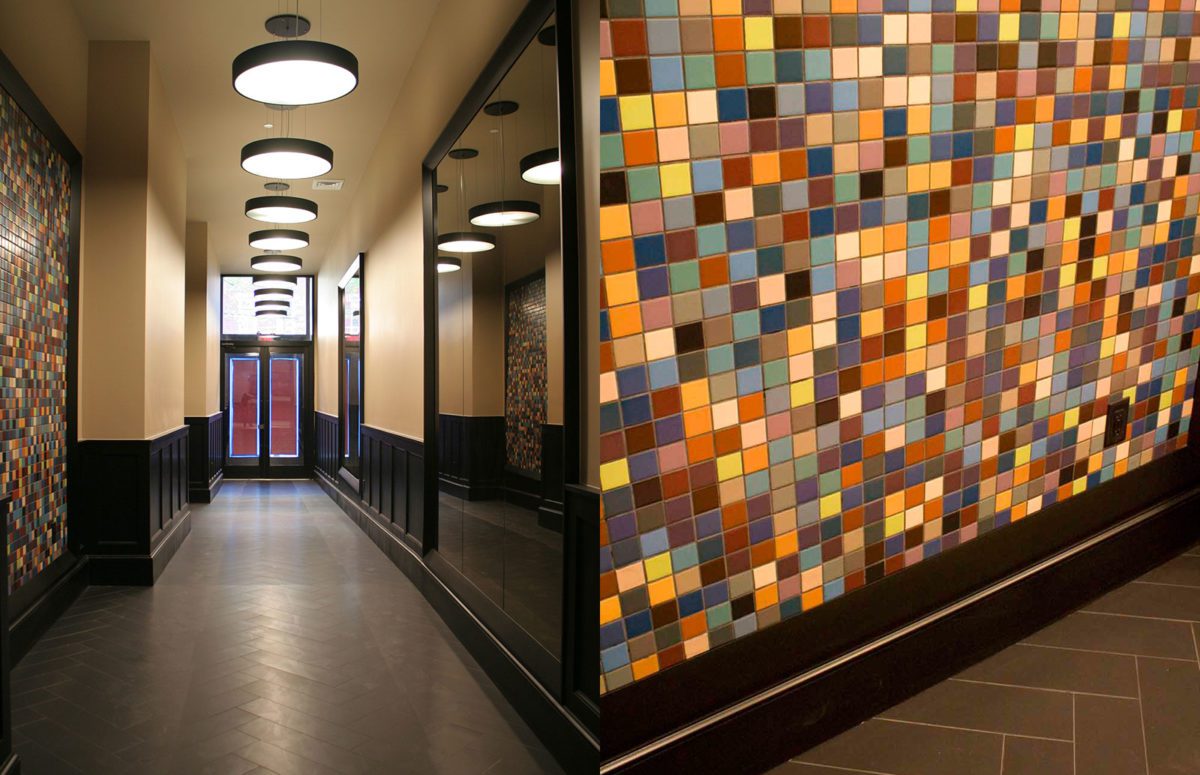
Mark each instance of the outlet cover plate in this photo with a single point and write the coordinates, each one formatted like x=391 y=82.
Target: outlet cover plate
x=1117 y=422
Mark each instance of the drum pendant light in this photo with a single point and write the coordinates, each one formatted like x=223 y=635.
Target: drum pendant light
x=274 y=281
x=281 y=209
x=276 y=263
x=295 y=72
x=287 y=158
x=505 y=212
x=279 y=239
x=277 y=295
x=465 y=241
x=543 y=167
x=448 y=264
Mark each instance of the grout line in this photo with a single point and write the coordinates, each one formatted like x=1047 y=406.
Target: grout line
x=1101 y=651
x=1074 y=740
x=968 y=729
x=1139 y=616
x=840 y=768
x=1042 y=688
x=1142 y=716
x=1164 y=584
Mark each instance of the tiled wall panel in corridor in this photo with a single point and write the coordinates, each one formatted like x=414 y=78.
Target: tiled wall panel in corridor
x=872 y=272
x=35 y=194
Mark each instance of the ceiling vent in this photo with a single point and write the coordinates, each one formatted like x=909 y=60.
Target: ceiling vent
x=327 y=185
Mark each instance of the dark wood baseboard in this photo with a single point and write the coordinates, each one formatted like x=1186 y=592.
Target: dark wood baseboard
x=552 y=723
x=809 y=708
x=206 y=493
x=141 y=570
x=37 y=617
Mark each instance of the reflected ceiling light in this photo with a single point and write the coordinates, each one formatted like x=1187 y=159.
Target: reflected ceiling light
x=281 y=209
x=279 y=239
x=287 y=157
x=273 y=294
x=542 y=167
x=511 y=212
x=466 y=241
x=270 y=313
x=272 y=305
x=289 y=292
x=276 y=185
x=447 y=264
x=295 y=72
x=276 y=262
x=274 y=281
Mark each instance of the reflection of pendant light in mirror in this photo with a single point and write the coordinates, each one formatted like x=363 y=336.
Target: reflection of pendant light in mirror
x=287 y=157
x=274 y=281
x=448 y=264
x=513 y=212
x=276 y=263
x=465 y=241
x=543 y=167
x=280 y=309
x=295 y=72
x=273 y=294
x=287 y=293
x=281 y=209
x=279 y=239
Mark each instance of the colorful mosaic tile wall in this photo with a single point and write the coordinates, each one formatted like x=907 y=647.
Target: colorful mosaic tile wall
x=872 y=272
x=525 y=373
x=35 y=194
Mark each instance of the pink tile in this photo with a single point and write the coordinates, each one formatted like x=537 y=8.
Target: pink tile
x=646 y=216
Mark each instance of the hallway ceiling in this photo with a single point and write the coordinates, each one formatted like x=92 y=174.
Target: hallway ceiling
x=193 y=46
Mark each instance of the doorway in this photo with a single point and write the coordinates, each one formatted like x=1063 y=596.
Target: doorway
x=266 y=392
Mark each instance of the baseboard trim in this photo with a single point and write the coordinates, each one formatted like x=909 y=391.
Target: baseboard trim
x=206 y=493
x=766 y=728
x=29 y=627
x=141 y=570
x=564 y=736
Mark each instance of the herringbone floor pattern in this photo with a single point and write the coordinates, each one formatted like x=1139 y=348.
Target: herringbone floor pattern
x=279 y=640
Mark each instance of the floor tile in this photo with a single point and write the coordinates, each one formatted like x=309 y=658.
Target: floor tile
x=1052 y=668
x=990 y=708
x=1156 y=601
x=910 y=749
x=1029 y=756
x=1171 y=713
x=1118 y=634
x=1108 y=736
x=1183 y=570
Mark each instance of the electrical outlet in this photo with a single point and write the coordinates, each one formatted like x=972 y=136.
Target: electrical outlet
x=1117 y=422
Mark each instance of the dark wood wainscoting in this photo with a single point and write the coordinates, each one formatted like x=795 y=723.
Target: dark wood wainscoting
x=393 y=475
x=8 y=760
x=135 y=504
x=581 y=592
x=327 y=444
x=206 y=458
x=471 y=456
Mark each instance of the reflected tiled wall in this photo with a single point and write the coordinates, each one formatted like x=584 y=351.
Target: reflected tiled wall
x=872 y=273
x=35 y=192
x=525 y=373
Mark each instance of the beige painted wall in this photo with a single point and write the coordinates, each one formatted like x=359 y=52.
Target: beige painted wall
x=29 y=31
x=166 y=219
x=202 y=325
x=385 y=219
x=132 y=284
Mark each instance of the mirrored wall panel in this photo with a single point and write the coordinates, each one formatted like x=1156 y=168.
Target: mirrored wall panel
x=350 y=379
x=500 y=348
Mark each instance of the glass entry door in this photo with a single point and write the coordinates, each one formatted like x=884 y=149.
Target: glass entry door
x=265 y=399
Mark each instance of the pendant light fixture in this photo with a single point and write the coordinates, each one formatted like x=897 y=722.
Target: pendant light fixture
x=270 y=313
x=281 y=209
x=287 y=157
x=292 y=72
x=274 y=281
x=505 y=212
x=465 y=241
x=275 y=294
x=278 y=239
x=448 y=264
x=276 y=262
x=543 y=167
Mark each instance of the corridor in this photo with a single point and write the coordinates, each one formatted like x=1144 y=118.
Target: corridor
x=280 y=639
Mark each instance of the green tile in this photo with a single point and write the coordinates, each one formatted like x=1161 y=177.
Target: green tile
x=612 y=152
x=699 y=72
x=760 y=67
x=643 y=183
x=685 y=276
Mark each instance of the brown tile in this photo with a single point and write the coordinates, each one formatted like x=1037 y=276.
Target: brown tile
x=1051 y=668
x=1171 y=715
x=910 y=749
x=1153 y=600
x=1029 y=756
x=1119 y=634
x=1004 y=709
x=1108 y=736
x=1181 y=571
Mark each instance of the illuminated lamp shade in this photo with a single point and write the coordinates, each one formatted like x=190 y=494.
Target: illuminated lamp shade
x=271 y=309
x=542 y=167
x=278 y=239
x=287 y=157
x=276 y=263
x=273 y=295
x=509 y=212
x=281 y=209
x=286 y=292
x=466 y=241
x=274 y=281
x=448 y=264
x=295 y=72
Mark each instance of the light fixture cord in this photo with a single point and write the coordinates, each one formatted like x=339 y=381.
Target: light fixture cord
x=462 y=200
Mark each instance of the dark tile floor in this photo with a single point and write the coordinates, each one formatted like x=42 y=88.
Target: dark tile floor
x=1111 y=689
x=279 y=640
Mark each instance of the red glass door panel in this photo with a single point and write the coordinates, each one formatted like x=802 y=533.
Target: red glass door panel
x=285 y=375
x=244 y=380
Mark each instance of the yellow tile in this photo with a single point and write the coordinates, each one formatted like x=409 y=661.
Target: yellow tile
x=614 y=474
x=729 y=466
x=802 y=392
x=614 y=222
x=676 y=180
x=608 y=78
x=670 y=109
x=658 y=566
x=610 y=609
x=621 y=288
x=760 y=33
x=726 y=7
x=831 y=504
x=637 y=112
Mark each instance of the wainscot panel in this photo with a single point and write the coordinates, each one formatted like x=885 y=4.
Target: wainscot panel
x=471 y=451
x=8 y=759
x=135 y=505
x=206 y=437
x=392 y=469
x=327 y=444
